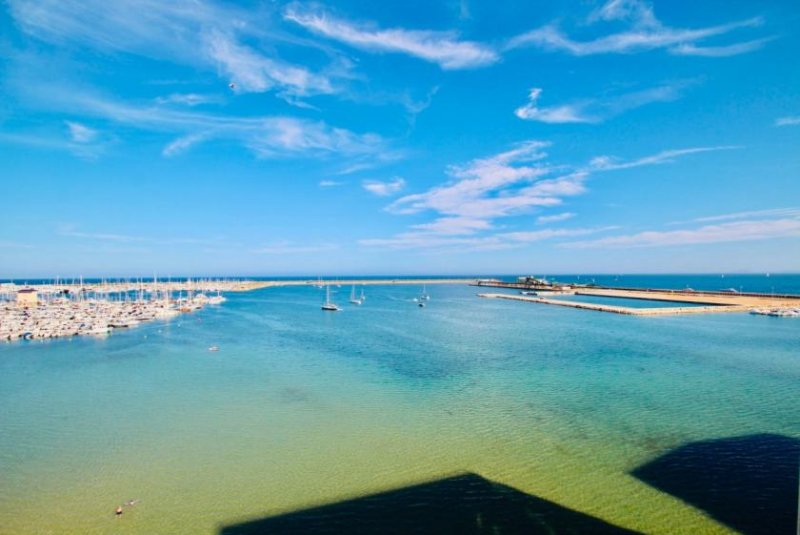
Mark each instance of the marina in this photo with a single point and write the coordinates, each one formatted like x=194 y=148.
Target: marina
x=58 y=311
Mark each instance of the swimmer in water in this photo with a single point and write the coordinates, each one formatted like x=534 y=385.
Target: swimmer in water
x=118 y=510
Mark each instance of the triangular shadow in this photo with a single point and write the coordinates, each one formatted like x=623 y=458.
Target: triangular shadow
x=465 y=504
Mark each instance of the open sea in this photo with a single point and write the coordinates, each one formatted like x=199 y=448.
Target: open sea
x=467 y=416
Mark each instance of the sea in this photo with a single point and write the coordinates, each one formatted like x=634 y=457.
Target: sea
x=467 y=415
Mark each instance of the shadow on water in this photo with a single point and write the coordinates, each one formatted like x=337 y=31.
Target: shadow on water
x=463 y=504
x=749 y=483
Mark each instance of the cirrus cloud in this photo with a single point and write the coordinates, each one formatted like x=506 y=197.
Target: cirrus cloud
x=645 y=32
x=384 y=189
x=443 y=48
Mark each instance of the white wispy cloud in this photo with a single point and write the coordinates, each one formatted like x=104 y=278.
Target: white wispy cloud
x=442 y=48
x=480 y=191
x=329 y=183
x=499 y=186
x=80 y=133
x=220 y=38
x=496 y=186
x=189 y=99
x=386 y=155
x=77 y=138
x=82 y=141
x=546 y=234
x=355 y=168
x=254 y=72
x=771 y=213
x=555 y=218
x=736 y=231
x=384 y=189
x=415 y=107
x=595 y=110
x=645 y=33
x=497 y=241
x=454 y=226
x=569 y=113
x=182 y=144
x=688 y=49
x=424 y=240
x=608 y=163
x=788 y=121
x=266 y=136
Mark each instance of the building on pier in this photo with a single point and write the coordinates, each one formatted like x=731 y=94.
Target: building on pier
x=27 y=297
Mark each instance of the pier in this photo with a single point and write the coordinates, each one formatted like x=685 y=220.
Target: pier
x=666 y=311
x=702 y=302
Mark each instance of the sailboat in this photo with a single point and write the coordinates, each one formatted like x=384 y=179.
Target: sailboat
x=424 y=295
x=328 y=305
x=422 y=298
x=353 y=298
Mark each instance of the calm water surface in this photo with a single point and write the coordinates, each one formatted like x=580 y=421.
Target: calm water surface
x=598 y=413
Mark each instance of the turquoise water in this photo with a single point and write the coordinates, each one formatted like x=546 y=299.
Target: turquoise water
x=301 y=409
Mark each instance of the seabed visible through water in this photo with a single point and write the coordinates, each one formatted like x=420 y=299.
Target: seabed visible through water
x=474 y=413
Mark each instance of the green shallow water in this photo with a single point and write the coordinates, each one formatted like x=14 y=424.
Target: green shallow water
x=301 y=408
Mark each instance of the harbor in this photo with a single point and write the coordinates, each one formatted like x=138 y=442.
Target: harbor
x=61 y=309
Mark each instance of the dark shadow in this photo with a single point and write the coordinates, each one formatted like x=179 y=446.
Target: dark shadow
x=464 y=504
x=749 y=483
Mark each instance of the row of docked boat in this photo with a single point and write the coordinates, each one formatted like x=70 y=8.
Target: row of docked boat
x=64 y=317
x=778 y=312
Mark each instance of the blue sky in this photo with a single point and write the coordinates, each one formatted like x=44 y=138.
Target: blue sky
x=268 y=138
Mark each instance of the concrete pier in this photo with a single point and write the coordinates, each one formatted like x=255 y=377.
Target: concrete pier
x=666 y=311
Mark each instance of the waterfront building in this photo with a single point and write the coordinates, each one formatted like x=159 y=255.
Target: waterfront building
x=27 y=297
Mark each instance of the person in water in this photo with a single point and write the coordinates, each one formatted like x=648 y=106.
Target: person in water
x=118 y=510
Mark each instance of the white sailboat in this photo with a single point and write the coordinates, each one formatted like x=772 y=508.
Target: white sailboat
x=424 y=296
x=328 y=305
x=353 y=298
